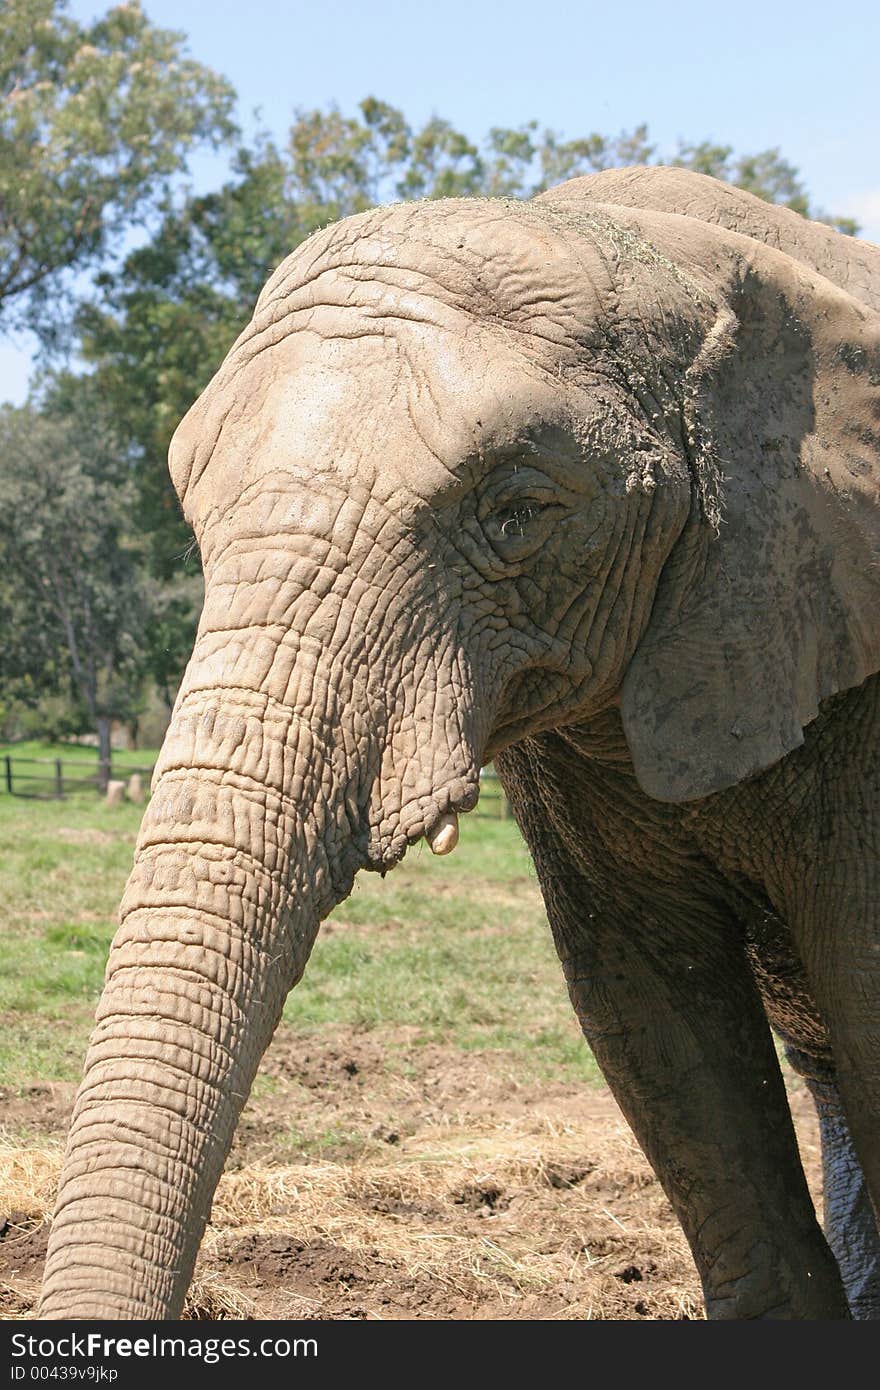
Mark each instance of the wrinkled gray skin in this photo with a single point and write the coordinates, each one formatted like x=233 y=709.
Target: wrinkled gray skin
x=588 y=486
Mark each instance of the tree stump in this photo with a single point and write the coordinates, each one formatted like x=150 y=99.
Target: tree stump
x=115 y=793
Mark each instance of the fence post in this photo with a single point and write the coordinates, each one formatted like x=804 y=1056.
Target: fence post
x=9 y=775
x=59 y=780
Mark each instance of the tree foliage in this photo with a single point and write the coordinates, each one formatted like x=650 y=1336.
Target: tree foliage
x=77 y=603
x=94 y=121
x=343 y=164
x=164 y=322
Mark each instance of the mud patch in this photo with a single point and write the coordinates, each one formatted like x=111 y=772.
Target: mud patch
x=42 y=1110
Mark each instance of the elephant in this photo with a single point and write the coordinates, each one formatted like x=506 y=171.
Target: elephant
x=587 y=486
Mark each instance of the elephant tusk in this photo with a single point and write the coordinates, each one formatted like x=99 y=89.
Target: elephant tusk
x=444 y=836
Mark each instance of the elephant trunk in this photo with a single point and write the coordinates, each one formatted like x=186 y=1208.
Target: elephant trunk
x=232 y=875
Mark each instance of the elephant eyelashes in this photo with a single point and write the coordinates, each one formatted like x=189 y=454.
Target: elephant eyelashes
x=515 y=512
x=516 y=519
x=516 y=529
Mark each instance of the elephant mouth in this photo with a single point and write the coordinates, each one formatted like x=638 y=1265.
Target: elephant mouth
x=434 y=819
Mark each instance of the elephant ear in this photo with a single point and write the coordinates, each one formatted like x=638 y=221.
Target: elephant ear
x=770 y=601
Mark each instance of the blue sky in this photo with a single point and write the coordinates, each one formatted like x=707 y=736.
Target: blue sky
x=802 y=76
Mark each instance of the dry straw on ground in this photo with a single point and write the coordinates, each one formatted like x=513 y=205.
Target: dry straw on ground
x=508 y=1221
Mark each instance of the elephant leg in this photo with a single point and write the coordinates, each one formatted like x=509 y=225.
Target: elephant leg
x=850 y=1226
x=658 y=975
x=656 y=966
x=681 y=1038
x=843 y=963
x=830 y=869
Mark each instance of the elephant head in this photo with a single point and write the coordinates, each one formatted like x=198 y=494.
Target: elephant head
x=475 y=469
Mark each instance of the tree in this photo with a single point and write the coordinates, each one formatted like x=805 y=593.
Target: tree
x=339 y=164
x=343 y=164
x=165 y=320
x=75 y=590
x=94 y=122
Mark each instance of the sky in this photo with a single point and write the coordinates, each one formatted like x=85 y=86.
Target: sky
x=796 y=74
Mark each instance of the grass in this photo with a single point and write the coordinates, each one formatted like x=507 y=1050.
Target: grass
x=454 y=950
x=62 y=868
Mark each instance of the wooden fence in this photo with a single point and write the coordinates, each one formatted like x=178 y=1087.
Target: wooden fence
x=49 y=779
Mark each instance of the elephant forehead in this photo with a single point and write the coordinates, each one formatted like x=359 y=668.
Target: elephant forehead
x=491 y=260
x=350 y=406
x=456 y=308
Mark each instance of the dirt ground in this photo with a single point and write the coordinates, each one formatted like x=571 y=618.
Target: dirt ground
x=440 y=1188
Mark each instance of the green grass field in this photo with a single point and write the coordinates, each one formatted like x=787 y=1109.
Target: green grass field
x=453 y=950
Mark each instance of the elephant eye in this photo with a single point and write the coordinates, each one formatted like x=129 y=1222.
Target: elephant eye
x=516 y=509
x=512 y=521
x=516 y=529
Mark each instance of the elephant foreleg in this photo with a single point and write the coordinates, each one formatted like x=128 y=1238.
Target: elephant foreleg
x=682 y=1041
